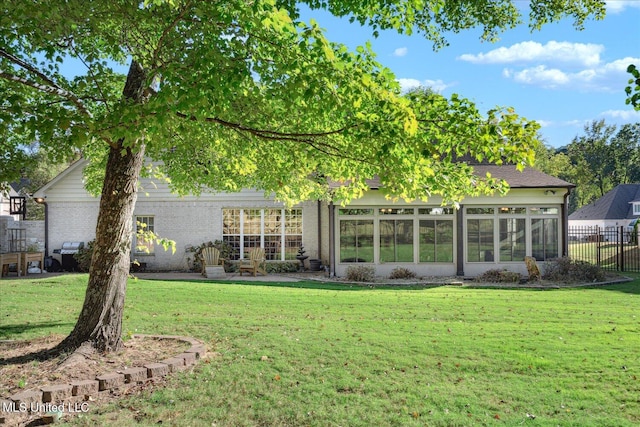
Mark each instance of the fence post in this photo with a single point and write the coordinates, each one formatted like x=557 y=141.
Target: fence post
x=621 y=238
x=598 y=246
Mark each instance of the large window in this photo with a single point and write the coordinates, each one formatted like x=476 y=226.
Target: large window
x=356 y=240
x=480 y=240
x=513 y=232
x=544 y=238
x=396 y=240
x=396 y=234
x=143 y=244
x=512 y=239
x=279 y=231
x=436 y=240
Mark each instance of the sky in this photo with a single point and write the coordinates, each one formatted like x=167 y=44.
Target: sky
x=560 y=77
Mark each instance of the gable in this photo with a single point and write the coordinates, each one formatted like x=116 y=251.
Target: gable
x=616 y=204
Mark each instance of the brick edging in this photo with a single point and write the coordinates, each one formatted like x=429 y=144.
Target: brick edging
x=50 y=402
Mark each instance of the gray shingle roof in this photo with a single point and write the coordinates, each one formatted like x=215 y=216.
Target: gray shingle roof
x=528 y=178
x=616 y=204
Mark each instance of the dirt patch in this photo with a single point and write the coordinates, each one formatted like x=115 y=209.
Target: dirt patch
x=84 y=364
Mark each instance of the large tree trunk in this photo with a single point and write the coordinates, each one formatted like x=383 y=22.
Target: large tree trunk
x=100 y=322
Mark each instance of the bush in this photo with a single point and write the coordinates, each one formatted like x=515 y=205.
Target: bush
x=402 y=273
x=499 y=276
x=83 y=256
x=282 y=267
x=567 y=270
x=360 y=273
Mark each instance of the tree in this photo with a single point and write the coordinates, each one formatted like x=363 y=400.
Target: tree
x=633 y=90
x=593 y=156
x=231 y=94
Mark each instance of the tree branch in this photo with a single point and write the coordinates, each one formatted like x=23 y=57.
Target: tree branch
x=54 y=90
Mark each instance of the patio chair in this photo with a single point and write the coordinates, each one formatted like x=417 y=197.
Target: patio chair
x=255 y=263
x=210 y=257
x=532 y=268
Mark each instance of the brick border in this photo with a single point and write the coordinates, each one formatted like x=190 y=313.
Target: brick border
x=71 y=397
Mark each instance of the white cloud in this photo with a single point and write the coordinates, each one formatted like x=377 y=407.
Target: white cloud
x=401 y=51
x=609 y=77
x=436 y=85
x=529 y=51
x=617 y=6
x=624 y=115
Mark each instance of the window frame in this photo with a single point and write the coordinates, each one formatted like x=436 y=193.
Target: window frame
x=151 y=245
x=236 y=220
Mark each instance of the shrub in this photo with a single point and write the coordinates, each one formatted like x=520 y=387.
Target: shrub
x=498 y=276
x=402 y=273
x=567 y=270
x=83 y=256
x=360 y=273
x=282 y=267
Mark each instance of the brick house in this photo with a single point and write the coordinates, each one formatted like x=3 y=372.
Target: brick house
x=484 y=233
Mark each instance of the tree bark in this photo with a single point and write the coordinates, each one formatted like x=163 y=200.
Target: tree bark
x=100 y=321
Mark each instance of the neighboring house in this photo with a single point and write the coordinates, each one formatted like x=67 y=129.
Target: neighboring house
x=620 y=207
x=431 y=240
x=5 y=202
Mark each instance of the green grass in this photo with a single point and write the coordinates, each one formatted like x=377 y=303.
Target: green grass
x=443 y=356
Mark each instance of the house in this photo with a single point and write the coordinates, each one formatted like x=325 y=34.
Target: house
x=619 y=207
x=484 y=233
x=5 y=201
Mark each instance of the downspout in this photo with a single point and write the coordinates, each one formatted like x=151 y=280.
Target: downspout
x=319 y=229
x=332 y=239
x=565 y=224
x=459 y=242
x=41 y=201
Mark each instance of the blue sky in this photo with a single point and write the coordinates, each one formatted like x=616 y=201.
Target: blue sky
x=560 y=77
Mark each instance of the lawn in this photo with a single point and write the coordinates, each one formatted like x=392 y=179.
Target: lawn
x=443 y=356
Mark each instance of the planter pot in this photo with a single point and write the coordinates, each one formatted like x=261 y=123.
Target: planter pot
x=315 y=264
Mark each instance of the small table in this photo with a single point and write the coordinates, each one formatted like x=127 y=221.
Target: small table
x=10 y=258
x=28 y=257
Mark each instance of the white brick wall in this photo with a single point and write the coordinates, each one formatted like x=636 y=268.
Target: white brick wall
x=188 y=223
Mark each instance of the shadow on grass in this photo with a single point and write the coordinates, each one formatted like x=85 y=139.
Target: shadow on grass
x=6 y=331
x=12 y=330
x=327 y=286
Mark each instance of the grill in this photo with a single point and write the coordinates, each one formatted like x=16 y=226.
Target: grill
x=67 y=251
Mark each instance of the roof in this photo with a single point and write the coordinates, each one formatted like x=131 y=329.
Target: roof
x=528 y=178
x=616 y=204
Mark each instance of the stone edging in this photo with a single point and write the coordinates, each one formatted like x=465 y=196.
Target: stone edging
x=53 y=400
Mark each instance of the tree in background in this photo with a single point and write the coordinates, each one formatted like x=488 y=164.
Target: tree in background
x=595 y=162
x=234 y=94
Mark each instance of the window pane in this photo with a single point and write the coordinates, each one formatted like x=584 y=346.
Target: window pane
x=518 y=211
x=480 y=211
x=544 y=238
x=355 y=211
x=251 y=221
x=293 y=218
x=544 y=211
x=356 y=241
x=292 y=244
x=272 y=245
x=272 y=221
x=144 y=224
x=436 y=241
x=444 y=243
x=231 y=221
x=512 y=239
x=479 y=240
x=234 y=242
x=396 y=240
x=435 y=211
x=396 y=211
